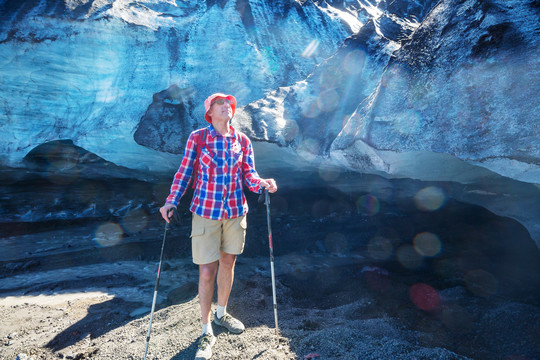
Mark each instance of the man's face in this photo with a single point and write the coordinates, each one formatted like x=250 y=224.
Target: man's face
x=220 y=110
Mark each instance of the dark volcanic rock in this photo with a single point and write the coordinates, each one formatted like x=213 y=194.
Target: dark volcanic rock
x=168 y=121
x=61 y=155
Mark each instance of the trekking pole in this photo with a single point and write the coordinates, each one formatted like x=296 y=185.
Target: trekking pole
x=270 y=244
x=157 y=285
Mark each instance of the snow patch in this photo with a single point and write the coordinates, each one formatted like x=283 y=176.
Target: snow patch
x=350 y=19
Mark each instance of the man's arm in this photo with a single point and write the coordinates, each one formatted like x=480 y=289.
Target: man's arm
x=181 y=178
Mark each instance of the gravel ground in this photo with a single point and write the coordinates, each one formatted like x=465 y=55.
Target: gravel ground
x=101 y=311
x=65 y=293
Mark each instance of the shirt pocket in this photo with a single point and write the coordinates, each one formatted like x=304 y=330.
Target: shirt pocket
x=207 y=158
x=208 y=164
x=238 y=157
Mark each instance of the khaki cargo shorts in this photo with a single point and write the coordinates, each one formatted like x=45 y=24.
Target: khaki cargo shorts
x=210 y=237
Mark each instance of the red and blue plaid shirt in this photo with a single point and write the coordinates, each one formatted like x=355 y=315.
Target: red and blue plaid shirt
x=218 y=193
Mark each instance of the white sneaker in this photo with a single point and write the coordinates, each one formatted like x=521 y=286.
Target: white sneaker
x=227 y=321
x=204 y=352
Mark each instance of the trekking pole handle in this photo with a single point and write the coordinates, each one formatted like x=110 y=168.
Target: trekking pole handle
x=169 y=216
x=266 y=197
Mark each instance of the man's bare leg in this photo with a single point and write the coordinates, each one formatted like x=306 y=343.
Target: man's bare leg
x=207 y=278
x=225 y=277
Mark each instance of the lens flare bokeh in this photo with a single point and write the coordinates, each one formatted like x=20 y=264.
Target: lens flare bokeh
x=310 y=49
x=430 y=198
x=427 y=244
x=368 y=205
x=62 y=158
x=62 y=165
x=424 y=297
x=328 y=100
x=310 y=145
x=331 y=78
x=335 y=243
x=291 y=130
x=408 y=257
x=109 y=234
x=481 y=283
x=354 y=62
x=408 y=122
x=380 y=248
x=60 y=177
x=135 y=221
x=310 y=108
x=329 y=174
x=300 y=267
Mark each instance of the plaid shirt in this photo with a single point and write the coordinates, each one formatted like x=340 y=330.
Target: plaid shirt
x=218 y=194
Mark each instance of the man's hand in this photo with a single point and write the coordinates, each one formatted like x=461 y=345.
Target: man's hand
x=269 y=184
x=166 y=213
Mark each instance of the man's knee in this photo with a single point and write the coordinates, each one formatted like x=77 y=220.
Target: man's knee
x=227 y=260
x=207 y=272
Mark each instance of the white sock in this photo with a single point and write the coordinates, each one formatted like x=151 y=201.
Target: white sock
x=221 y=310
x=207 y=329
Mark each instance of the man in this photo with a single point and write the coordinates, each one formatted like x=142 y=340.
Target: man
x=219 y=208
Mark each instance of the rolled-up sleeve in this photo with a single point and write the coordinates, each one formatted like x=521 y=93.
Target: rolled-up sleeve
x=251 y=177
x=183 y=175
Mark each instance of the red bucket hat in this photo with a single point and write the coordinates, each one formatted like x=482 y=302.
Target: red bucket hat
x=211 y=98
